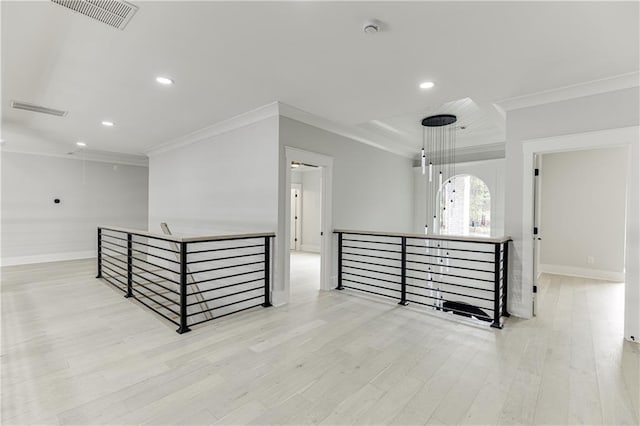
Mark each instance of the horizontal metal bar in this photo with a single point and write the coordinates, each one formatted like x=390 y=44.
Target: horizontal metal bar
x=449 y=275
x=226 y=295
x=155 y=283
x=154 y=255
x=372 y=270
x=114 y=237
x=473 y=240
x=452 y=292
x=154 y=301
x=456 y=249
x=157 y=312
x=227 y=314
x=164 y=268
x=372 y=285
x=368 y=291
x=225 y=248
x=122 y=289
x=112 y=253
x=155 y=292
x=446 y=283
x=446 y=266
x=115 y=277
x=399 y=266
x=225 y=286
x=452 y=258
x=226 y=258
x=373 y=242
x=154 y=274
x=115 y=245
x=372 y=256
x=226 y=276
x=117 y=274
x=156 y=247
x=372 y=249
x=226 y=267
x=105 y=259
x=371 y=278
x=463 y=313
x=224 y=306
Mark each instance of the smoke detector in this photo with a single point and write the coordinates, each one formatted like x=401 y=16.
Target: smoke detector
x=115 y=13
x=372 y=26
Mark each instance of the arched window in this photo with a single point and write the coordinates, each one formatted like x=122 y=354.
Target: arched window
x=465 y=207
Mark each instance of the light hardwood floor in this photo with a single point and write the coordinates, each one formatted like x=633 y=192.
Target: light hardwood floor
x=74 y=351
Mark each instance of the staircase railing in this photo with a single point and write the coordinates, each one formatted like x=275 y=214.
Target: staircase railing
x=464 y=276
x=187 y=280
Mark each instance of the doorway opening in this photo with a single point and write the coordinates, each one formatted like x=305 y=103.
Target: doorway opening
x=304 y=242
x=626 y=138
x=308 y=262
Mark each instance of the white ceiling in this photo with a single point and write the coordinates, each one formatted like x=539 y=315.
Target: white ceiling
x=231 y=57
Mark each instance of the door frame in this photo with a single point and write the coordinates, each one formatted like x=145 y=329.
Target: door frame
x=325 y=162
x=297 y=187
x=619 y=137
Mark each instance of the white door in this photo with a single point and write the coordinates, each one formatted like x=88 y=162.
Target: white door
x=296 y=219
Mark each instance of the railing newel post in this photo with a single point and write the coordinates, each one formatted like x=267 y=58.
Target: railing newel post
x=183 y=289
x=496 y=293
x=340 y=287
x=99 y=275
x=267 y=272
x=403 y=273
x=129 y=265
x=505 y=275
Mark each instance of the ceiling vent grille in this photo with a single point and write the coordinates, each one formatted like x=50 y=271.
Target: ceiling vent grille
x=37 y=108
x=115 y=13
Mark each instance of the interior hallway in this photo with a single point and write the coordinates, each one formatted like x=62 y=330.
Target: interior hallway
x=74 y=351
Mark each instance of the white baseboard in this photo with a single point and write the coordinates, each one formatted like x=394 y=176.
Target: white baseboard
x=45 y=258
x=312 y=248
x=572 y=271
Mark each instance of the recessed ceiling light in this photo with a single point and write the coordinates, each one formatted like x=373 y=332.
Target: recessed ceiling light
x=108 y=123
x=164 y=80
x=81 y=144
x=426 y=85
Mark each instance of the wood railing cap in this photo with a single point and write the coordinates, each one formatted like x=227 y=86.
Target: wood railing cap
x=186 y=239
x=487 y=240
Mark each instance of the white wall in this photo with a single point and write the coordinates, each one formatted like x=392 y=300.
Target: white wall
x=311 y=210
x=222 y=184
x=372 y=189
x=34 y=229
x=570 y=120
x=492 y=174
x=583 y=213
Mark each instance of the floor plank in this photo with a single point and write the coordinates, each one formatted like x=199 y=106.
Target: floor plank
x=74 y=351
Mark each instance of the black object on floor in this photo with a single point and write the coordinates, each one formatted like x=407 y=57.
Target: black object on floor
x=466 y=310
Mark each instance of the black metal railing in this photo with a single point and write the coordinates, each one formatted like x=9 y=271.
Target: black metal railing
x=187 y=281
x=465 y=276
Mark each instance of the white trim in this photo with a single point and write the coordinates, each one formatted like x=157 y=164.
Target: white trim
x=95 y=156
x=298 y=187
x=572 y=271
x=45 y=258
x=327 y=280
x=623 y=81
x=233 y=123
x=626 y=136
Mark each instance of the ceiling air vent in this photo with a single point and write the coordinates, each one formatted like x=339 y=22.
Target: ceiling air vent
x=37 y=108
x=115 y=13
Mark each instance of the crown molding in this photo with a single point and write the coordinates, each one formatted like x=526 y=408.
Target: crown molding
x=274 y=109
x=233 y=123
x=88 y=155
x=619 y=82
x=351 y=132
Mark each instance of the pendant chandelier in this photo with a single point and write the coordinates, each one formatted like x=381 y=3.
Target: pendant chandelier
x=438 y=167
